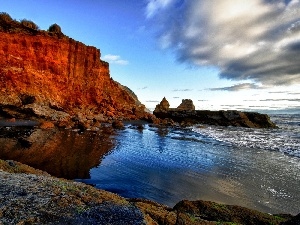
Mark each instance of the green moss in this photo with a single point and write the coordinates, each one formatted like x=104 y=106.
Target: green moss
x=219 y=206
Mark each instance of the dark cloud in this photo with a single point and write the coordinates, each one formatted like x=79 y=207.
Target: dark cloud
x=256 y=40
x=238 y=87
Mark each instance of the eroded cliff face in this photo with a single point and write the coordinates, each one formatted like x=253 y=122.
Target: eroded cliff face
x=56 y=77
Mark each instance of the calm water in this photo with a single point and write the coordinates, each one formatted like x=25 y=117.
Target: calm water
x=259 y=169
x=229 y=165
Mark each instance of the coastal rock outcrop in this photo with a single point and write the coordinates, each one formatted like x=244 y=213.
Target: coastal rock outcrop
x=186 y=105
x=163 y=106
x=186 y=114
x=49 y=75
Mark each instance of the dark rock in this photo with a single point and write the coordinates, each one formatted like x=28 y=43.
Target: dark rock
x=24 y=143
x=211 y=211
x=27 y=99
x=294 y=221
x=117 y=124
x=220 y=118
x=11 y=163
x=163 y=106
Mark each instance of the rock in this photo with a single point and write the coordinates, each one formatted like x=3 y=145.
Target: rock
x=186 y=116
x=12 y=120
x=187 y=105
x=24 y=142
x=47 y=125
x=117 y=124
x=211 y=211
x=163 y=106
x=293 y=221
x=66 y=124
x=54 y=77
x=100 y=118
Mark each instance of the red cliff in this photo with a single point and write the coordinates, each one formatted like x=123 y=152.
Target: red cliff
x=53 y=76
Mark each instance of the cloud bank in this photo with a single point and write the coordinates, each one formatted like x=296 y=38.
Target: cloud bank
x=115 y=59
x=238 y=87
x=256 y=40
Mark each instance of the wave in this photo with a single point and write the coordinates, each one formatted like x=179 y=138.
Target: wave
x=285 y=139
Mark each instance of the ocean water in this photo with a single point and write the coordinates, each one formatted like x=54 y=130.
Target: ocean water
x=255 y=168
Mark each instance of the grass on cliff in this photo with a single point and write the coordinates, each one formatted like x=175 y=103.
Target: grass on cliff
x=29 y=24
x=8 y=24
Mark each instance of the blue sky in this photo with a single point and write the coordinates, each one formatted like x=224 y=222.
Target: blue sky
x=229 y=54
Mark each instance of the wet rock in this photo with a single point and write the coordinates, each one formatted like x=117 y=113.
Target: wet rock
x=24 y=142
x=117 y=124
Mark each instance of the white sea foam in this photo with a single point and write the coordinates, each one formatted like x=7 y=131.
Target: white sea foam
x=285 y=139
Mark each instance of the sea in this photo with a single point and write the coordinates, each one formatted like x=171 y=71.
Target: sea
x=254 y=168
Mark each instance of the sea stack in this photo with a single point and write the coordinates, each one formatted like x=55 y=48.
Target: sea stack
x=185 y=113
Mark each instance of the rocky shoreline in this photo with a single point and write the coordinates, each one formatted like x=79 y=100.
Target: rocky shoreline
x=30 y=196
x=186 y=115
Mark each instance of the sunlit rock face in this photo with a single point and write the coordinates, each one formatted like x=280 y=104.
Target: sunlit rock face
x=49 y=75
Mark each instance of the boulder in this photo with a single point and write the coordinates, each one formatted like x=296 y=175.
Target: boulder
x=117 y=124
x=163 y=106
x=187 y=105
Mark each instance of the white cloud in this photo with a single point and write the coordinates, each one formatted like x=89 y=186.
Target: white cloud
x=256 y=40
x=154 y=6
x=115 y=59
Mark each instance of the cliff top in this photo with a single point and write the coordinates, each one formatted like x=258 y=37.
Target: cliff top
x=9 y=25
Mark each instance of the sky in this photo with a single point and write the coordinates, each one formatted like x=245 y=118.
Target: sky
x=229 y=54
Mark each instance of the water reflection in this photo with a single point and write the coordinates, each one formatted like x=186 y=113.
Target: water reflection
x=163 y=164
x=62 y=153
x=181 y=164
